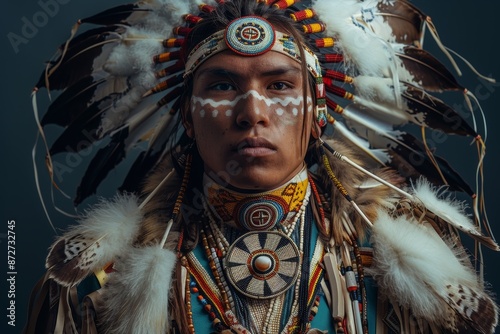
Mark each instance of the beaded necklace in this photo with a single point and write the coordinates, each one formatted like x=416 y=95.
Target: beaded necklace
x=259 y=211
x=227 y=304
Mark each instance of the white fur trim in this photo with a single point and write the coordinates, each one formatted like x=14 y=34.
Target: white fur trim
x=104 y=232
x=136 y=295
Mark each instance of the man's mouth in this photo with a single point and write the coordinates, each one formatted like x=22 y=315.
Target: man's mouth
x=255 y=147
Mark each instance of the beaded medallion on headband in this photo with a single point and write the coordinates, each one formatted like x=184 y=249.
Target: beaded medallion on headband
x=250 y=36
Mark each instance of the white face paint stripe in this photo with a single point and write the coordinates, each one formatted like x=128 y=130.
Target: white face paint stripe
x=283 y=102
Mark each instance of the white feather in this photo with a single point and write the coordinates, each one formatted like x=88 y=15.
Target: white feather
x=344 y=20
x=117 y=220
x=161 y=15
x=116 y=116
x=450 y=210
x=104 y=232
x=382 y=96
x=135 y=53
x=414 y=266
x=136 y=295
x=378 y=89
x=403 y=73
x=369 y=184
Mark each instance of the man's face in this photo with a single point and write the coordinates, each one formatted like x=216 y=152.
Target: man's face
x=247 y=116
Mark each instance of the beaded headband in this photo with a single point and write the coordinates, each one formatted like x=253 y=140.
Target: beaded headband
x=253 y=36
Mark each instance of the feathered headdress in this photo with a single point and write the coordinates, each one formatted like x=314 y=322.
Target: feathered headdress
x=120 y=85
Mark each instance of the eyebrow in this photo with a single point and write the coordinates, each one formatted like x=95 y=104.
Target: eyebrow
x=224 y=72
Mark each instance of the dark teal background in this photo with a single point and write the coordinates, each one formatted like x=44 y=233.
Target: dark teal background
x=469 y=27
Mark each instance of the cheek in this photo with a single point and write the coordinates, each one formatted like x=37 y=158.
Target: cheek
x=210 y=124
x=295 y=127
x=209 y=120
x=289 y=113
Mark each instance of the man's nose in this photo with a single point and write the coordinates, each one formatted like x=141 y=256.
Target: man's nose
x=252 y=110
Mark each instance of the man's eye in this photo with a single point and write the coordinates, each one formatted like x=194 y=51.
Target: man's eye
x=279 y=86
x=224 y=86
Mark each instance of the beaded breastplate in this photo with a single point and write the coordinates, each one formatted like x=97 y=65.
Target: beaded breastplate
x=255 y=245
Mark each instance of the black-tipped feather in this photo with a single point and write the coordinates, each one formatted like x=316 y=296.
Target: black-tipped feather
x=68 y=106
x=77 y=98
x=407 y=154
x=411 y=161
x=427 y=71
x=405 y=20
x=90 y=38
x=115 y=15
x=83 y=131
x=80 y=42
x=85 y=59
x=138 y=172
x=159 y=146
x=106 y=159
x=429 y=111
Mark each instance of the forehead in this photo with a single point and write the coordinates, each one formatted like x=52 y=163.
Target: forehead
x=269 y=63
